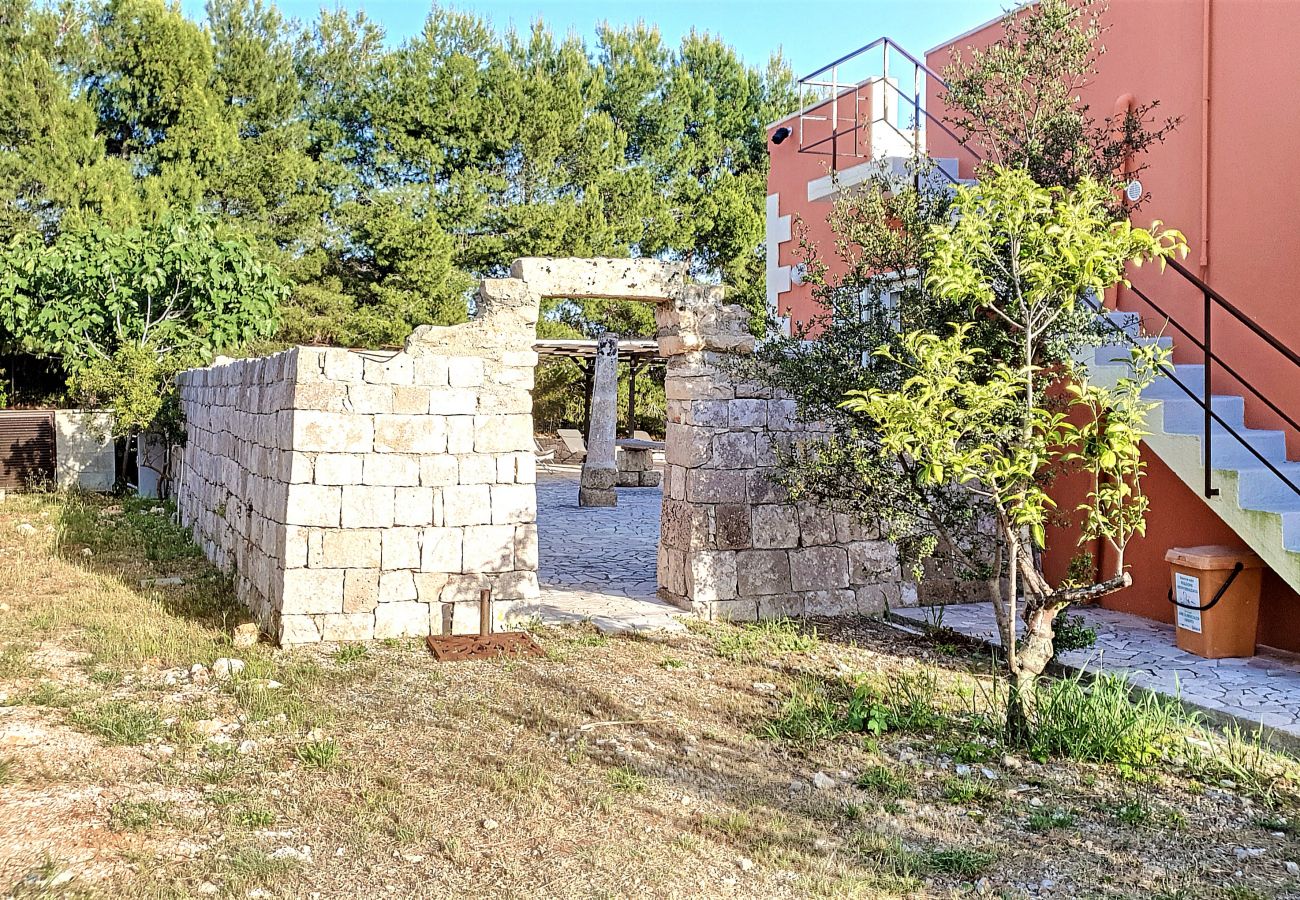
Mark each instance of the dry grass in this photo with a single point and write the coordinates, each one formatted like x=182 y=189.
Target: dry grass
x=610 y=768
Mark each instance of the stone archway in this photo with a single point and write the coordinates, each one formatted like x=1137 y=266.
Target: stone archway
x=731 y=544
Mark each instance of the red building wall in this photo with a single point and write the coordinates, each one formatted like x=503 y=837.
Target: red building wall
x=1227 y=179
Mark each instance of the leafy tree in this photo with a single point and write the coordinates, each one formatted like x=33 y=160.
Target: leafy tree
x=120 y=306
x=1026 y=255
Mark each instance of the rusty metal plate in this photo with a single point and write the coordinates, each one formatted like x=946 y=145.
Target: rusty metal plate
x=482 y=646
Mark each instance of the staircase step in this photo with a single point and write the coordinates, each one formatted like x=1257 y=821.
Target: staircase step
x=1291 y=531
x=1121 y=350
x=1258 y=488
x=1183 y=415
x=1193 y=376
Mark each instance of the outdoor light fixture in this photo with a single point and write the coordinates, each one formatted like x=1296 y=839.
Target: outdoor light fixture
x=780 y=135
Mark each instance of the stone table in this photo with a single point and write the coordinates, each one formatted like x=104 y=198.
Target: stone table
x=636 y=463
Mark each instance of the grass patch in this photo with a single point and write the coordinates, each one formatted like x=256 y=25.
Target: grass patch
x=8 y=770
x=671 y=662
x=13 y=663
x=1049 y=819
x=885 y=782
x=889 y=856
x=817 y=709
x=967 y=791
x=320 y=754
x=126 y=815
x=627 y=780
x=119 y=722
x=350 y=653
x=756 y=641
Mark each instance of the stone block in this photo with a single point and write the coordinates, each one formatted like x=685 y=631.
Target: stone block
x=348 y=627
x=396 y=587
x=440 y=550
x=741 y=610
x=747 y=413
x=465 y=589
x=597 y=497
x=430 y=370
x=291 y=546
x=711 y=575
x=413 y=506
x=477 y=468
x=391 y=469
x=503 y=434
x=733 y=450
x=514 y=504
x=775 y=526
x=410 y=400
x=526 y=547
x=312 y=504
x=347 y=549
x=762 y=572
x=327 y=432
x=360 y=590
x=298 y=629
x=688 y=445
x=624 y=279
x=367 y=506
x=650 y=479
x=782 y=415
x=816 y=525
x=369 y=399
x=439 y=470
x=323 y=396
x=466 y=504
x=401 y=548
x=429 y=587
x=453 y=401
x=312 y=591
x=732 y=529
x=410 y=434
x=872 y=561
x=388 y=368
x=717 y=486
x=341 y=365
x=765 y=488
x=401 y=619
x=516 y=586
x=830 y=603
x=465 y=371
x=338 y=468
x=782 y=606
x=460 y=435
x=488 y=548
x=819 y=568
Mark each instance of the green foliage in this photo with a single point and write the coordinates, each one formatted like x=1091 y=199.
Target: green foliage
x=627 y=780
x=1072 y=633
x=817 y=710
x=119 y=722
x=319 y=754
x=757 y=641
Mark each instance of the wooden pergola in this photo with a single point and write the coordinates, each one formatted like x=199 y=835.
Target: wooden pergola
x=639 y=354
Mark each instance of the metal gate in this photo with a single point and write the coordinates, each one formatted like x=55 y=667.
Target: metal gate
x=27 y=449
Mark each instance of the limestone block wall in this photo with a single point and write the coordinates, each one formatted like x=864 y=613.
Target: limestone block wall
x=732 y=544
x=361 y=494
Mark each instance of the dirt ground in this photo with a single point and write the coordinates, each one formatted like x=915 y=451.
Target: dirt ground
x=133 y=762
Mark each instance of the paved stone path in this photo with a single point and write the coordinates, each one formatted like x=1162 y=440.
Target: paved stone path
x=1264 y=689
x=598 y=563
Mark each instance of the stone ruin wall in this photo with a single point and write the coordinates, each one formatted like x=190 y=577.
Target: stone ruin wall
x=363 y=494
x=366 y=494
x=733 y=545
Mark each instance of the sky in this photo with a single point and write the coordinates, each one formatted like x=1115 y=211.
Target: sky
x=809 y=33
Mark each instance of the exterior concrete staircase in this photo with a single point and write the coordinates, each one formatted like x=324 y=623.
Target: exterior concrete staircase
x=1261 y=508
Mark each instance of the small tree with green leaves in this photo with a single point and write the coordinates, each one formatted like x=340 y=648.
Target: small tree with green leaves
x=125 y=310
x=1024 y=256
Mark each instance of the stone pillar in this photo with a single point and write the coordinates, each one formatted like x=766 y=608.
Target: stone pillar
x=600 y=469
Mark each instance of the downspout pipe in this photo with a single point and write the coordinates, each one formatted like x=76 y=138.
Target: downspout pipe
x=1204 y=259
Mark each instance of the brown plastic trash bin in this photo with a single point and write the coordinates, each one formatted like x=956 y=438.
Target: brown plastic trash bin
x=1215 y=593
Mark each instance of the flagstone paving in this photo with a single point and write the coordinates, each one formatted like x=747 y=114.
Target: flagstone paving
x=598 y=563
x=1264 y=689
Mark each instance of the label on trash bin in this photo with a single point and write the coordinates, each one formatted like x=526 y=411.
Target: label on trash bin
x=1187 y=591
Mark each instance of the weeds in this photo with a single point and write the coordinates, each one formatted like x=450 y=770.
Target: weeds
x=816 y=710
x=321 y=754
x=6 y=770
x=131 y=816
x=119 y=722
x=967 y=791
x=350 y=653
x=756 y=641
x=627 y=780
x=885 y=782
x=1048 y=819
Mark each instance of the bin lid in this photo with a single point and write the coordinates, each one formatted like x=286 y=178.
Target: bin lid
x=1213 y=556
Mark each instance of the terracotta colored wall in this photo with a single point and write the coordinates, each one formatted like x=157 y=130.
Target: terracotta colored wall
x=788 y=176
x=1155 y=50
